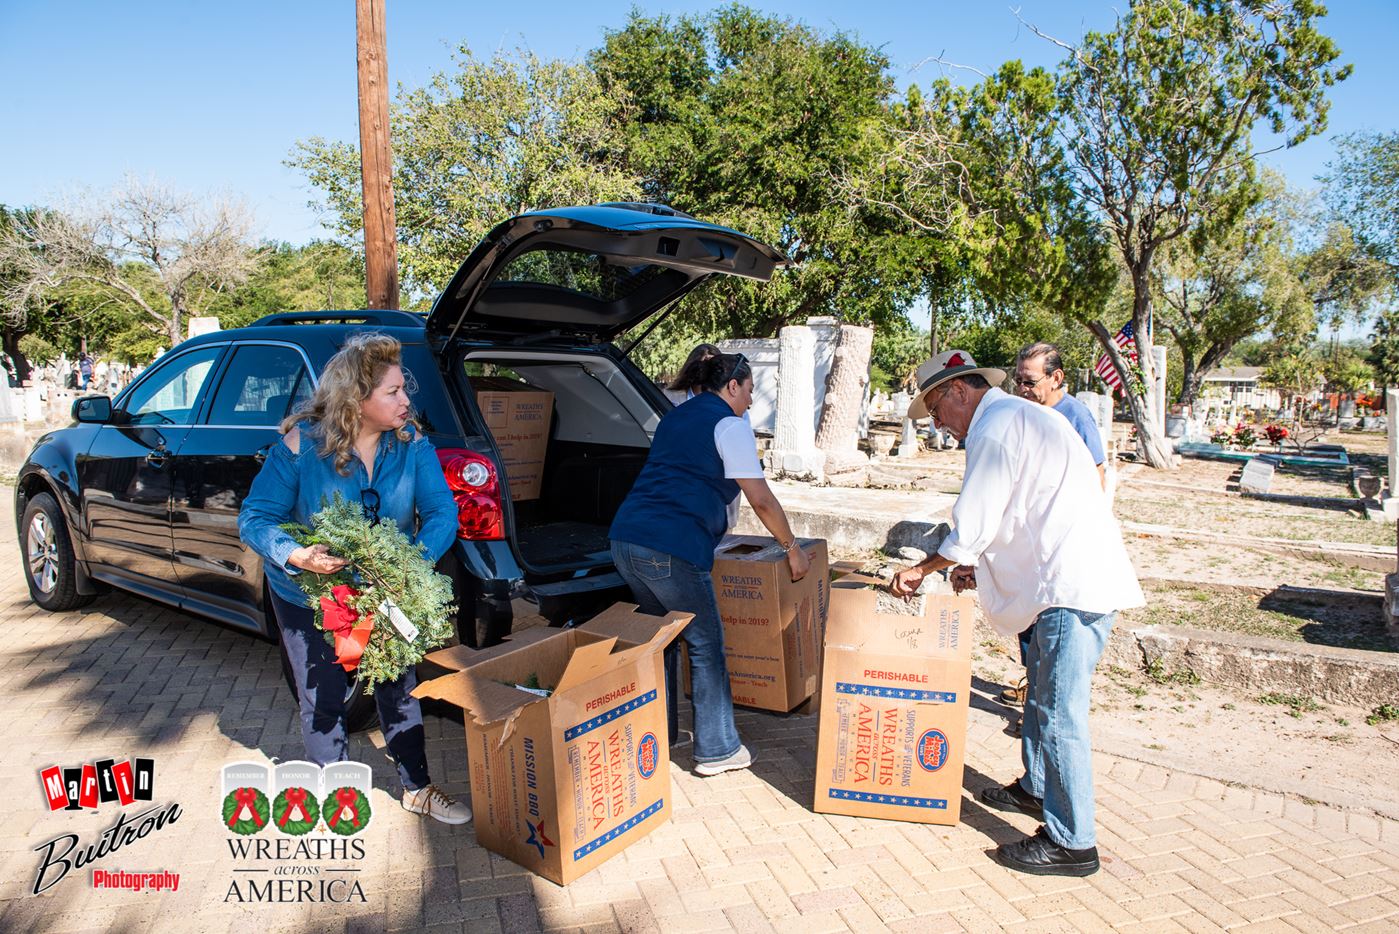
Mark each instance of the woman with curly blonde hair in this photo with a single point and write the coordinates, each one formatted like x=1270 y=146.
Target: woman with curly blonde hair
x=356 y=437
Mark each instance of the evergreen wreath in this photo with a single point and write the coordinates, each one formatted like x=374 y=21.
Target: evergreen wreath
x=346 y=811
x=291 y=806
x=384 y=565
x=249 y=800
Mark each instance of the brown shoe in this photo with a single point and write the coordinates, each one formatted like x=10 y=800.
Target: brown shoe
x=431 y=801
x=1015 y=697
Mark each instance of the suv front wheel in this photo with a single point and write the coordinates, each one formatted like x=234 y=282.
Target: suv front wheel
x=50 y=568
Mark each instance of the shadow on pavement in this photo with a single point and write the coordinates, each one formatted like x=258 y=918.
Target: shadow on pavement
x=147 y=677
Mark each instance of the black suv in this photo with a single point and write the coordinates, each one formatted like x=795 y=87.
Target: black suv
x=143 y=492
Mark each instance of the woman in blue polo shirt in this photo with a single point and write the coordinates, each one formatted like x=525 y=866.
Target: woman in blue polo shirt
x=664 y=536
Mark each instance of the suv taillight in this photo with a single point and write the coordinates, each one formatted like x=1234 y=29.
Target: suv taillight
x=472 y=480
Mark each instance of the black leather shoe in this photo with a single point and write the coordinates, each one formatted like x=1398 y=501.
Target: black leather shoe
x=1041 y=856
x=1012 y=798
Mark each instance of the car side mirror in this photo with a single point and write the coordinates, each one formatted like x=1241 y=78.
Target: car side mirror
x=95 y=410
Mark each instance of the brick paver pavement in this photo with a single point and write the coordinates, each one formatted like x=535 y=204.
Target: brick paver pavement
x=743 y=852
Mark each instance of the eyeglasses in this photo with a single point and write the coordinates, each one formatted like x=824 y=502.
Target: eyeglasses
x=1030 y=383
x=369 y=500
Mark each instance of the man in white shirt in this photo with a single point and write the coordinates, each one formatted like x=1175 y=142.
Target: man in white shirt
x=1035 y=536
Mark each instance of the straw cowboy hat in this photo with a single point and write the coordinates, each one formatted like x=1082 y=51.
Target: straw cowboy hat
x=947 y=365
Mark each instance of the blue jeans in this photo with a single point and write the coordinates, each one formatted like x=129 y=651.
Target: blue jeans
x=662 y=583
x=1055 y=746
x=324 y=687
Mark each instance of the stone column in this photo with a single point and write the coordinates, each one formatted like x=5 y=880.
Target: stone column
x=908 y=444
x=1391 y=422
x=1158 y=361
x=793 y=450
x=839 y=433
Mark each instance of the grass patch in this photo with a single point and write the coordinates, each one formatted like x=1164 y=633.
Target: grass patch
x=1297 y=704
x=1384 y=713
x=1344 y=625
x=1156 y=671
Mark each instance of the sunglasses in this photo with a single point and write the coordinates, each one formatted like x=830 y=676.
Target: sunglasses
x=735 y=368
x=369 y=501
x=1030 y=383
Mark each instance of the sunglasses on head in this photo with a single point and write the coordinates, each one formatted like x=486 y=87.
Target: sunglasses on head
x=369 y=500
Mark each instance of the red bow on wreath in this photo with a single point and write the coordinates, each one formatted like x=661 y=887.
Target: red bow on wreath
x=245 y=798
x=345 y=798
x=351 y=630
x=296 y=799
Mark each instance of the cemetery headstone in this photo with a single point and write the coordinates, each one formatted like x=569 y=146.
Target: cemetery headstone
x=1257 y=476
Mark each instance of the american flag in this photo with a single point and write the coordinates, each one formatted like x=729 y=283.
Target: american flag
x=1126 y=342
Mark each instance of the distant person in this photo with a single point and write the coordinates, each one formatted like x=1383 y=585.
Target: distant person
x=1035 y=536
x=11 y=373
x=84 y=371
x=1039 y=377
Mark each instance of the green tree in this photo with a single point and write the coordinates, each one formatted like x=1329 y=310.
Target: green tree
x=157 y=253
x=748 y=120
x=1384 y=348
x=1362 y=186
x=1231 y=282
x=319 y=275
x=1161 y=111
x=1346 y=370
x=494 y=138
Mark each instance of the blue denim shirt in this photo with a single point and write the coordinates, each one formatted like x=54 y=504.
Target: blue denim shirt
x=292 y=487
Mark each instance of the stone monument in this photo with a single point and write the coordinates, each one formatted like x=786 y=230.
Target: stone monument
x=793 y=452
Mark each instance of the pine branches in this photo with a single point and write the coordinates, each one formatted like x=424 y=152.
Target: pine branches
x=384 y=566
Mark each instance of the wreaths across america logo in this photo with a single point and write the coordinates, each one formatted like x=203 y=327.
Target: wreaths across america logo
x=284 y=820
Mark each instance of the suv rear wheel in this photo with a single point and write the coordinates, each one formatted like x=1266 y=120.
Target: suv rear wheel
x=50 y=568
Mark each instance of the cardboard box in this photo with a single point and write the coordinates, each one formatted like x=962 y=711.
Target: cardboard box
x=772 y=626
x=561 y=784
x=894 y=705
x=518 y=416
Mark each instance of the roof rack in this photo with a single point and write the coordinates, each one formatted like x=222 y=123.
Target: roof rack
x=647 y=207
x=381 y=318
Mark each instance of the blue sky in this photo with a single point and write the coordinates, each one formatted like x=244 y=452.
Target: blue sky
x=213 y=96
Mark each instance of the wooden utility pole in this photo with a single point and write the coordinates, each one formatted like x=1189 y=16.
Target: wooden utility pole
x=376 y=157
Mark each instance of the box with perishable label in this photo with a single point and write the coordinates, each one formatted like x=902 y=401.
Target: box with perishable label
x=893 y=709
x=566 y=738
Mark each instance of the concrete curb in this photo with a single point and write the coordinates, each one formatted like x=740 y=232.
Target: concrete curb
x=1253 y=663
x=1327 y=673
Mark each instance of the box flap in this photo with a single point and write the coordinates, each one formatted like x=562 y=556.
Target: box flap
x=589 y=659
x=630 y=626
x=942 y=630
x=461 y=657
x=487 y=701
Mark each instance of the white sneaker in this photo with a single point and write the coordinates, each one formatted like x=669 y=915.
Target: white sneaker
x=433 y=802
x=739 y=760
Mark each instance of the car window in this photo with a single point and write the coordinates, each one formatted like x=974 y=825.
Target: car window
x=589 y=274
x=431 y=406
x=168 y=395
x=259 y=386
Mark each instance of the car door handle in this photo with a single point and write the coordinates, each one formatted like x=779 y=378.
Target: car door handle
x=157 y=457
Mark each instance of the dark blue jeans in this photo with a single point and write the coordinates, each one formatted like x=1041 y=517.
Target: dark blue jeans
x=324 y=687
x=662 y=583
